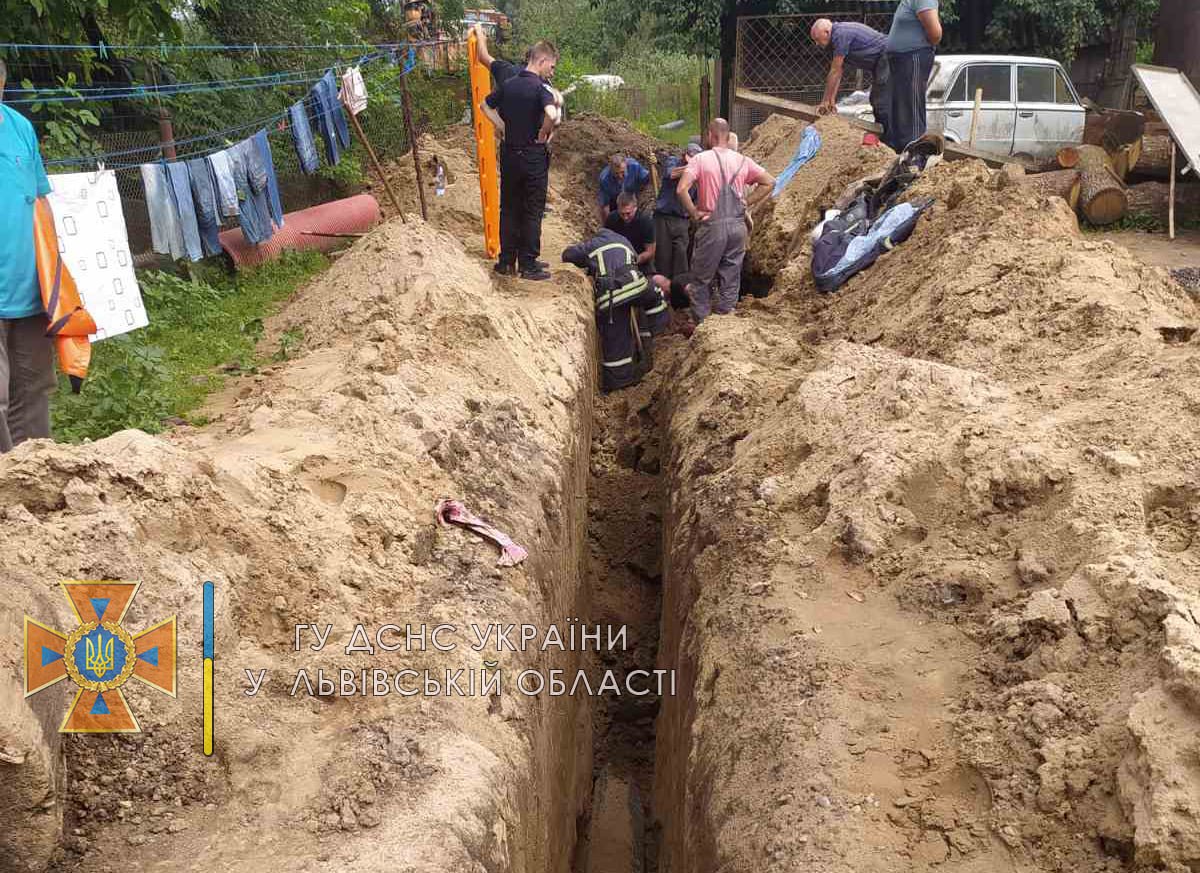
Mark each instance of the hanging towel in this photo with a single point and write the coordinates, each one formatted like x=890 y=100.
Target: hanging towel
x=204 y=197
x=810 y=144
x=302 y=137
x=354 y=91
x=185 y=210
x=222 y=172
x=94 y=242
x=166 y=237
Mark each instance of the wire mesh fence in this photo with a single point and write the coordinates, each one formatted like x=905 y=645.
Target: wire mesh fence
x=775 y=55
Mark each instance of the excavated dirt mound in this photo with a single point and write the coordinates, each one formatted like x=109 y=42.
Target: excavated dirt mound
x=310 y=500
x=930 y=555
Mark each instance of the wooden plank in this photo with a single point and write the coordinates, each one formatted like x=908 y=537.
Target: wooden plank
x=795 y=109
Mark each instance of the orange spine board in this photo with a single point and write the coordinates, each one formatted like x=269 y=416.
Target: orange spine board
x=485 y=151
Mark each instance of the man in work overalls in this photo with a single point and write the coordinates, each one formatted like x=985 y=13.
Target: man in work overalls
x=720 y=176
x=619 y=289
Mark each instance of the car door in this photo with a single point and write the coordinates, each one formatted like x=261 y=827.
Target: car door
x=1048 y=114
x=998 y=110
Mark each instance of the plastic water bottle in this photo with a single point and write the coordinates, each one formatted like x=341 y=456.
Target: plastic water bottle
x=441 y=180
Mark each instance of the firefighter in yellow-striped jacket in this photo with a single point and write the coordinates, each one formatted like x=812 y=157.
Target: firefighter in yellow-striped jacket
x=620 y=290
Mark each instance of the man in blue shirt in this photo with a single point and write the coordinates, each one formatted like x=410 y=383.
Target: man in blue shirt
x=861 y=48
x=621 y=174
x=26 y=359
x=916 y=29
x=671 y=223
x=524 y=113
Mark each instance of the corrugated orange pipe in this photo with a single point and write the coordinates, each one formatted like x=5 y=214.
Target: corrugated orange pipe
x=353 y=215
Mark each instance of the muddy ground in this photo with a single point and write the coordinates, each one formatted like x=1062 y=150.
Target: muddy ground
x=920 y=553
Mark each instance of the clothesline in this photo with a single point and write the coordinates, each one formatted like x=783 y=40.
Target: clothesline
x=103 y=48
x=262 y=122
x=136 y=92
x=46 y=95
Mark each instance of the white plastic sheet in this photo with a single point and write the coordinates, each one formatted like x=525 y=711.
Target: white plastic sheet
x=95 y=247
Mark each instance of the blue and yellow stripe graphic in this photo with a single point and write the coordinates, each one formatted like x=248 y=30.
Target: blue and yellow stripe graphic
x=208 y=668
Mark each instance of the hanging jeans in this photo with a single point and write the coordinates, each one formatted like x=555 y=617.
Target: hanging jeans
x=251 y=179
x=302 y=137
x=185 y=210
x=222 y=171
x=204 y=196
x=331 y=121
x=524 y=175
x=166 y=237
x=908 y=76
x=264 y=151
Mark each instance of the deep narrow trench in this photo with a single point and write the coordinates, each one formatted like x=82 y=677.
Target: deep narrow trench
x=625 y=585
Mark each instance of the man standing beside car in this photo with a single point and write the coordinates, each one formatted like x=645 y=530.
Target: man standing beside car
x=916 y=29
x=861 y=48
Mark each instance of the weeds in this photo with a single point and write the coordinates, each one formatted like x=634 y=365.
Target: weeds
x=198 y=328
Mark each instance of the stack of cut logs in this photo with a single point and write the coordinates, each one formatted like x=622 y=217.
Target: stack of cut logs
x=1104 y=185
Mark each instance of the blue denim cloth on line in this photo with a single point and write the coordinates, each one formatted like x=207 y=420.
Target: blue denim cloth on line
x=331 y=121
x=251 y=179
x=264 y=150
x=204 y=197
x=185 y=210
x=339 y=117
x=226 y=188
x=166 y=238
x=302 y=137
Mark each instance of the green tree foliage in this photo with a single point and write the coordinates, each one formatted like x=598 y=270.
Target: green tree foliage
x=70 y=21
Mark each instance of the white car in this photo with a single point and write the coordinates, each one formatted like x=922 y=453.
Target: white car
x=597 y=81
x=1029 y=106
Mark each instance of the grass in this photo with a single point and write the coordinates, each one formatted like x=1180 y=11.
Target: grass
x=198 y=327
x=1142 y=221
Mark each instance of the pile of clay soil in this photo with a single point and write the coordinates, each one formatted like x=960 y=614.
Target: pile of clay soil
x=930 y=553
x=581 y=150
x=310 y=500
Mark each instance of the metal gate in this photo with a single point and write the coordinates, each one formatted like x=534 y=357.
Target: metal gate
x=775 y=55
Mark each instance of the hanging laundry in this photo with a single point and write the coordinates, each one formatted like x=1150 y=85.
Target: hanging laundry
x=91 y=233
x=302 y=138
x=331 y=120
x=339 y=117
x=264 y=151
x=226 y=186
x=254 y=211
x=810 y=144
x=166 y=236
x=204 y=197
x=185 y=210
x=354 y=91
x=454 y=512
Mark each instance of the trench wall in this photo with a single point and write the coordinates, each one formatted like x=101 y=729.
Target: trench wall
x=309 y=499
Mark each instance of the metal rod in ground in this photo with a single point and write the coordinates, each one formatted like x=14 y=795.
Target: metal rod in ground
x=362 y=136
x=412 y=139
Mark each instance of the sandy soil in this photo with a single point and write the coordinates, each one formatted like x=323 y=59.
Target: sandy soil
x=310 y=499
x=930 y=555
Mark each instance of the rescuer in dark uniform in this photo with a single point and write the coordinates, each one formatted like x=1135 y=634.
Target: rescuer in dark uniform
x=524 y=112
x=620 y=290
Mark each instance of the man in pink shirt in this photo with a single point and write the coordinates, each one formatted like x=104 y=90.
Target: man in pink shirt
x=721 y=176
